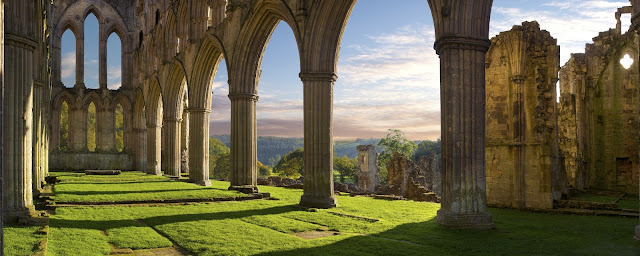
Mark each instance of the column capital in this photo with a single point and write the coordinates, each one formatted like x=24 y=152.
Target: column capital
x=198 y=110
x=20 y=41
x=243 y=96
x=318 y=76
x=461 y=42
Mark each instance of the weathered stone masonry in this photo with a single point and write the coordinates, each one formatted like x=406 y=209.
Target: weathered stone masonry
x=522 y=153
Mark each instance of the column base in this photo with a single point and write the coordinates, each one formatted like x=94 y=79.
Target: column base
x=317 y=202
x=206 y=183
x=15 y=215
x=247 y=189
x=637 y=236
x=464 y=221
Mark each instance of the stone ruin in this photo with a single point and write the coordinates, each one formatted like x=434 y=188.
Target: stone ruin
x=409 y=180
x=598 y=114
x=522 y=153
x=368 y=173
x=432 y=177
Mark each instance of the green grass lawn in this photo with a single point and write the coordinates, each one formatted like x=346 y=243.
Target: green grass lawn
x=131 y=186
x=21 y=240
x=267 y=227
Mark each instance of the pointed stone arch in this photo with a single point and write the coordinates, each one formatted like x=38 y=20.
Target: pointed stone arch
x=204 y=70
x=154 y=124
x=173 y=96
x=63 y=96
x=139 y=125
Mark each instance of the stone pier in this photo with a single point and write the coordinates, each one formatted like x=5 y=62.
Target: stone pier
x=172 y=128
x=244 y=137
x=199 y=146
x=318 y=140
x=153 y=149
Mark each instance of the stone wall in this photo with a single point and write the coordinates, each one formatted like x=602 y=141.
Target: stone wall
x=432 y=175
x=368 y=173
x=80 y=161
x=522 y=154
x=599 y=114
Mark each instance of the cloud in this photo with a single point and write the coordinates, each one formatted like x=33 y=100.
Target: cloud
x=114 y=77
x=68 y=66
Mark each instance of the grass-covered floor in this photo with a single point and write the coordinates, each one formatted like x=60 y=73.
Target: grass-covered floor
x=265 y=227
x=131 y=186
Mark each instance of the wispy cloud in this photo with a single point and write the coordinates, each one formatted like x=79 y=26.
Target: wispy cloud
x=114 y=77
x=68 y=68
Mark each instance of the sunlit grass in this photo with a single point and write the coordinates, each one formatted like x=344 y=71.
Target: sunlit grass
x=21 y=240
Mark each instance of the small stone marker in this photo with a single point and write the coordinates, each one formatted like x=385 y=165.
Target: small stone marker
x=102 y=172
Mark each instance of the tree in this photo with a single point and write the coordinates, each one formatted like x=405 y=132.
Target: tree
x=216 y=147
x=263 y=170
x=291 y=165
x=394 y=142
x=425 y=148
x=64 y=126
x=347 y=167
x=222 y=169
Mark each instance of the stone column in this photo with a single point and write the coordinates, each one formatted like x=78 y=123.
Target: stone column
x=244 y=153
x=80 y=61
x=199 y=146
x=184 y=142
x=102 y=61
x=141 y=149
x=106 y=131
x=77 y=128
x=318 y=140
x=635 y=23
x=17 y=111
x=38 y=176
x=172 y=146
x=462 y=95
x=153 y=149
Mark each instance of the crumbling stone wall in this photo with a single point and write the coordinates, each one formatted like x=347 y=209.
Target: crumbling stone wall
x=602 y=97
x=407 y=179
x=368 y=175
x=522 y=154
x=432 y=175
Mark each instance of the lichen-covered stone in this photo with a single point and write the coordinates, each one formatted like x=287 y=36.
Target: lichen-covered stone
x=522 y=154
x=599 y=115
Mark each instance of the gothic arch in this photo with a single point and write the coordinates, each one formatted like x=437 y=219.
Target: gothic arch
x=204 y=70
x=153 y=106
x=64 y=95
x=96 y=99
x=253 y=39
x=174 y=90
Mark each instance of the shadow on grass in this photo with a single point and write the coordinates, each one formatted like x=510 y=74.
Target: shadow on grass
x=428 y=238
x=161 y=220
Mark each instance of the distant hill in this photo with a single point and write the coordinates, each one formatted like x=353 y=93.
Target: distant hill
x=271 y=149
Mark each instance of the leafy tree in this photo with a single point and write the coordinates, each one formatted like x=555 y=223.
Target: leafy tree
x=222 y=169
x=216 y=147
x=263 y=170
x=395 y=141
x=91 y=127
x=119 y=116
x=347 y=167
x=64 y=126
x=291 y=165
x=425 y=148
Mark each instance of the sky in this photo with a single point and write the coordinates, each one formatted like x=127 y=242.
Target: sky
x=388 y=72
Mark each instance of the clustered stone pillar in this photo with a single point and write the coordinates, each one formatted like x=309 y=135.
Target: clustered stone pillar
x=102 y=58
x=153 y=149
x=78 y=128
x=141 y=150
x=17 y=125
x=106 y=130
x=199 y=146
x=172 y=146
x=462 y=93
x=635 y=23
x=80 y=60
x=243 y=153
x=318 y=139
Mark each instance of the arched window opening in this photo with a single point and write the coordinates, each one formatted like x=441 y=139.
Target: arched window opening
x=119 y=119
x=219 y=124
x=91 y=51
x=64 y=127
x=157 y=17
x=114 y=62
x=210 y=17
x=68 y=58
x=92 y=127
